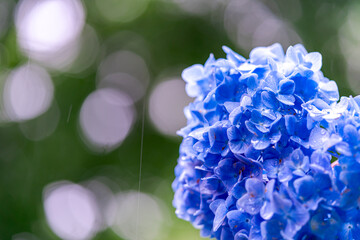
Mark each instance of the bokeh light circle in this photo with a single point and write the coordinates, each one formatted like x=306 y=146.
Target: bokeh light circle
x=106 y=118
x=126 y=62
x=200 y=7
x=166 y=105
x=71 y=211
x=124 y=82
x=28 y=92
x=121 y=10
x=250 y=23
x=349 y=39
x=87 y=48
x=139 y=216
x=48 y=26
x=43 y=126
x=125 y=71
x=105 y=199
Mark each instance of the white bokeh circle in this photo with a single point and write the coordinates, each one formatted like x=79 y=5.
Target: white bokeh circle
x=166 y=105
x=106 y=118
x=71 y=211
x=28 y=92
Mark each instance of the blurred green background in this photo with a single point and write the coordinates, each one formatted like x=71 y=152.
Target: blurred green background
x=77 y=79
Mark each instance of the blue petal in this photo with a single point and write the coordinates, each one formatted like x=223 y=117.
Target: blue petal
x=226 y=233
x=212 y=186
x=261 y=143
x=267 y=210
x=300 y=48
x=350 y=178
x=285 y=174
x=269 y=99
x=215 y=204
x=305 y=87
x=253 y=170
x=211 y=160
x=275 y=137
x=233 y=133
x=269 y=189
x=220 y=215
x=272 y=229
x=271 y=166
x=297 y=156
x=235 y=116
x=230 y=106
x=250 y=204
x=291 y=55
x=304 y=187
x=331 y=91
x=241 y=236
x=272 y=82
x=228 y=171
x=318 y=138
x=252 y=82
x=209 y=61
x=286 y=99
x=259 y=55
x=224 y=92
x=238 y=146
x=199 y=134
x=322 y=181
x=251 y=127
x=287 y=87
x=238 y=220
x=238 y=190
x=281 y=204
x=315 y=59
x=201 y=146
x=325 y=224
x=255 y=187
x=344 y=148
x=209 y=101
x=217 y=138
x=193 y=73
x=299 y=215
x=290 y=123
x=233 y=56
x=351 y=135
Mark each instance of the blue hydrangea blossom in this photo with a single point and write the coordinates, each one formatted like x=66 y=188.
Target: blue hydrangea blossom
x=256 y=152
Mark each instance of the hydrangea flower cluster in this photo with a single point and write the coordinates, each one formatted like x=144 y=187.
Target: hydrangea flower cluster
x=255 y=161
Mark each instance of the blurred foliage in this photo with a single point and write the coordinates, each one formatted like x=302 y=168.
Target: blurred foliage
x=173 y=39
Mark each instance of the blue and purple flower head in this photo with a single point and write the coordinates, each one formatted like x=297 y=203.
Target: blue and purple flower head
x=255 y=161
